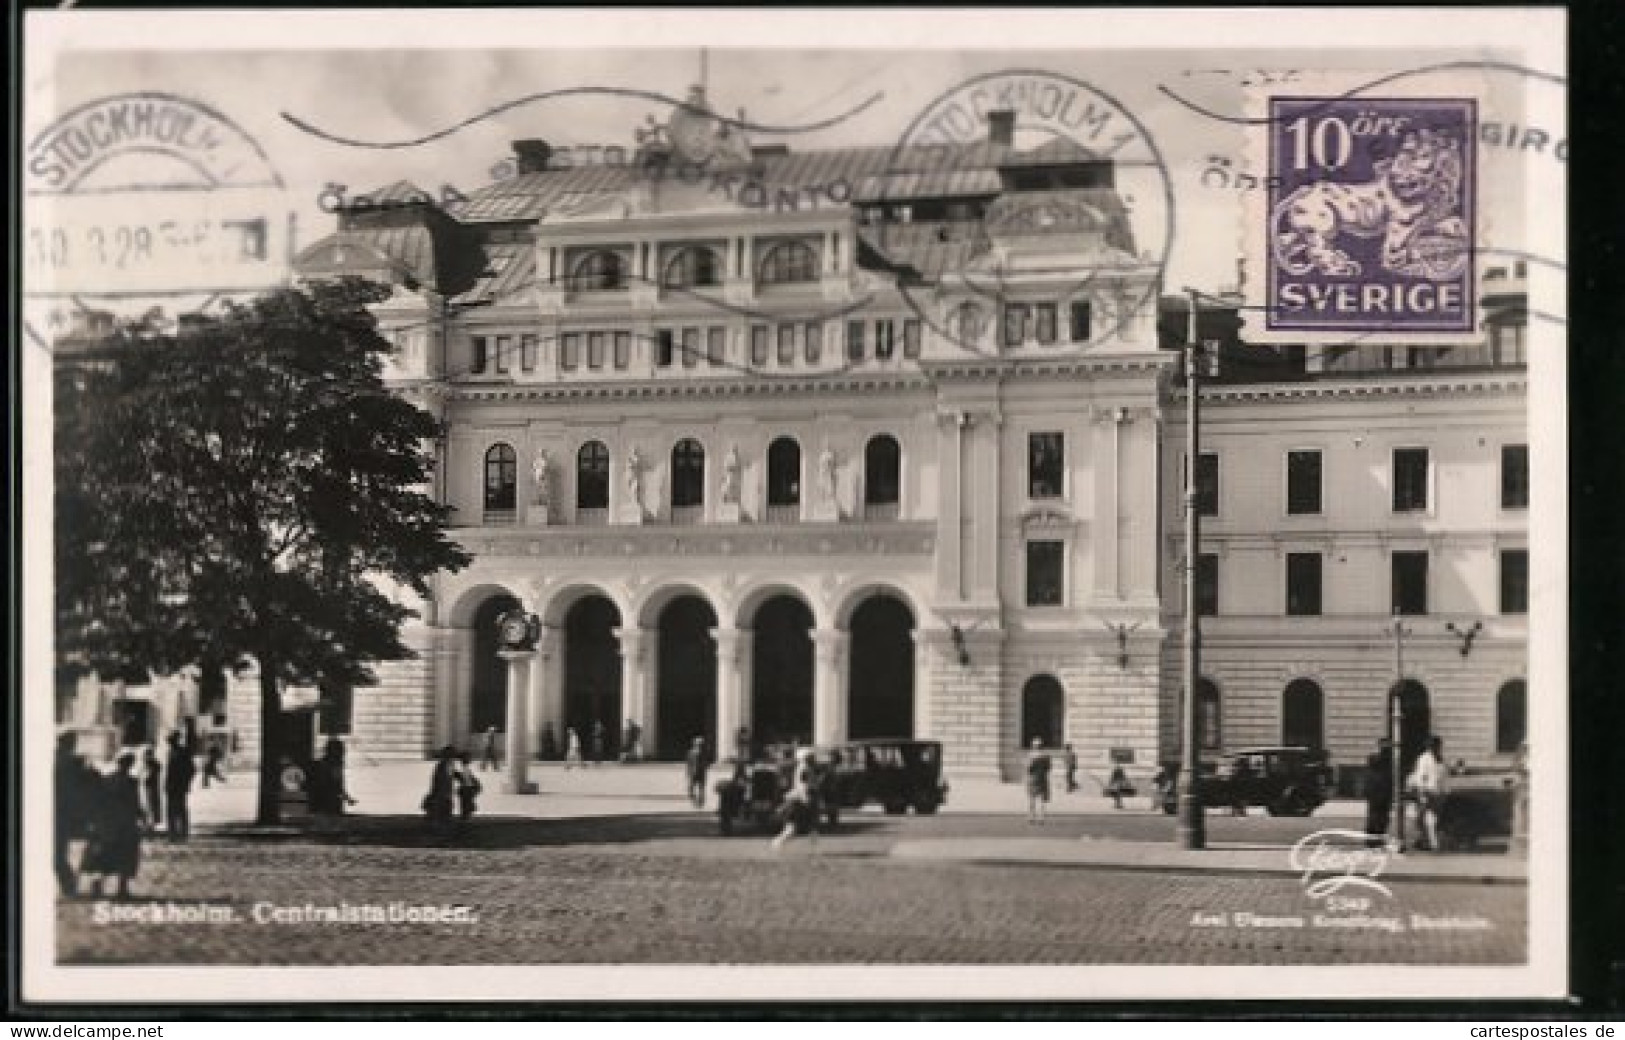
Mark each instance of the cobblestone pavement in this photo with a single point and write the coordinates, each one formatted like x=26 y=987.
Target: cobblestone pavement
x=661 y=889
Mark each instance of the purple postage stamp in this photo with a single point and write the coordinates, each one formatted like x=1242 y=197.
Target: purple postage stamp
x=1370 y=216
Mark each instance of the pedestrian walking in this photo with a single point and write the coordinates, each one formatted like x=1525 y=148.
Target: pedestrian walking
x=695 y=766
x=1379 y=793
x=488 y=749
x=468 y=793
x=626 y=742
x=634 y=741
x=152 y=780
x=212 y=761
x=114 y=848
x=1117 y=786
x=437 y=804
x=178 y=775
x=1038 y=770
x=72 y=790
x=1427 y=781
x=1160 y=788
x=597 y=741
x=800 y=802
x=329 y=792
x=572 y=749
x=1069 y=759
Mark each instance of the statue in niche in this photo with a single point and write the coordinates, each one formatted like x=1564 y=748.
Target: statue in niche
x=826 y=475
x=541 y=473
x=730 y=476
x=634 y=477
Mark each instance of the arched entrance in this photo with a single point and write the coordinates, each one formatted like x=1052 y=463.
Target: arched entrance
x=1511 y=715
x=488 y=694
x=687 y=678
x=781 y=688
x=1303 y=715
x=880 y=686
x=1043 y=712
x=1415 y=721
x=592 y=673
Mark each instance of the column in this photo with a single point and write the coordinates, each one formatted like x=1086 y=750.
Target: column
x=445 y=661
x=732 y=709
x=517 y=779
x=950 y=445
x=637 y=685
x=1107 y=450
x=984 y=470
x=829 y=685
x=462 y=684
x=923 y=655
x=544 y=678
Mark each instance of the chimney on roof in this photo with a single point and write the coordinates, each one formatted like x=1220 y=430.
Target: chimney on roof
x=1001 y=126
x=531 y=155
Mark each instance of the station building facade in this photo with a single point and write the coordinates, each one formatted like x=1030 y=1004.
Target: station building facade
x=892 y=447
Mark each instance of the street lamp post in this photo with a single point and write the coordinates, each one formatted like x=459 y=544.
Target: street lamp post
x=1396 y=818
x=1192 y=824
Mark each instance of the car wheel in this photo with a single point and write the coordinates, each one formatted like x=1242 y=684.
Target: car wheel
x=925 y=806
x=833 y=817
x=725 y=823
x=896 y=808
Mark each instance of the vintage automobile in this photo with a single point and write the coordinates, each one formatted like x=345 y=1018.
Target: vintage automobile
x=752 y=792
x=895 y=774
x=1286 y=781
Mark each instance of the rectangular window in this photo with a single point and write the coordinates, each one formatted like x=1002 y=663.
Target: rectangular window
x=527 y=353
x=1015 y=324
x=1046 y=465
x=884 y=345
x=911 y=338
x=1303 y=584
x=758 y=345
x=596 y=346
x=623 y=349
x=1081 y=321
x=570 y=354
x=1515 y=476
x=813 y=342
x=1044 y=323
x=1514 y=581
x=665 y=346
x=1410 y=480
x=1207 y=484
x=1410 y=582
x=787 y=344
x=716 y=346
x=1303 y=482
x=1046 y=574
x=481 y=356
x=1207 y=585
x=503 y=351
x=691 y=347
x=854 y=341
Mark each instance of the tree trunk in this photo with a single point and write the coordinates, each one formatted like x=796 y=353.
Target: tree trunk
x=270 y=804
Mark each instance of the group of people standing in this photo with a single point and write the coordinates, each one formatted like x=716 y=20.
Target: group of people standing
x=1427 y=784
x=1039 y=767
x=111 y=811
x=454 y=793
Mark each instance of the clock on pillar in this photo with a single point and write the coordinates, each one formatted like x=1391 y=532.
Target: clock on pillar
x=517 y=630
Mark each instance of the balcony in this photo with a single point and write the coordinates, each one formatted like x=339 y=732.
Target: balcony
x=687 y=516
x=880 y=511
x=598 y=517
x=786 y=513
x=500 y=517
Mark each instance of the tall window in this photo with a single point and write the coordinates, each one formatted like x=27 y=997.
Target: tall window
x=1082 y=321
x=787 y=344
x=1016 y=316
x=1046 y=574
x=1303 y=482
x=1410 y=582
x=1208 y=721
x=665 y=347
x=812 y=342
x=570 y=351
x=789 y=262
x=1410 y=480
x=716 y=345
x=592 y=476
x=527 y=353
x=885 y=339
x=1303 y=715
x=693 y=266
x=1207 y=585
x=501 y=478
x=1514 y=581
x=602 y=269
x=1303 y=584
x=854 y=341
x=482 y=355
x=968 y=324
x=1515 y=476
x=623 y=349
x=912 y=334
x=691 y=348
x=1046 y=465
x=596 y=347
x=687 y=474
x=1511 y=715
x=502 y=352
x=882 y=471
x=784 y=472
x=1044 y=323
x=1207 y=484
x=758 y=345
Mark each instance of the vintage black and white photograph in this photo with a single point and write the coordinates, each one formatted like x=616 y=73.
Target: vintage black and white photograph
x=761 y=505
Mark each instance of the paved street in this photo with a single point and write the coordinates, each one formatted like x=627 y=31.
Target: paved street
x=628 y=877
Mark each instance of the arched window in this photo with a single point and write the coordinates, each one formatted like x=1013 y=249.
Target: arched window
x=1207 y=715
x=789 y=262
x=599 y=270
x=501 y=478
x=1043 y=712
x=882 y=474
x=784 y=473
x=1511 y=715
x=592 y=476
x=687 y=474
x=692 y=266
x=1303 y=715
x=967 y=324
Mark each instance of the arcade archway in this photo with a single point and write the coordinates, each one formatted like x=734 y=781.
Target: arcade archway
x=592 y=673
x=686 y=679
x=880 y=686
x=782 y=672
x=488 y=693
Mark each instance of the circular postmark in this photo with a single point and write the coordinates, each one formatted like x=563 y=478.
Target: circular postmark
x=146 y=201
x=1053 y=189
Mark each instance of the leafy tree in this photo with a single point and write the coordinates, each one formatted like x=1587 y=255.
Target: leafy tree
x=233 y=492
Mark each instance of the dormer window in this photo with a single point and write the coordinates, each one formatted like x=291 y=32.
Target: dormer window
x=692 y=266
x=789 y=263
x=598 y=271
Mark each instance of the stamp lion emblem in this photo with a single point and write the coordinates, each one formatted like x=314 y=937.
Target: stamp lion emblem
x=1370 y=215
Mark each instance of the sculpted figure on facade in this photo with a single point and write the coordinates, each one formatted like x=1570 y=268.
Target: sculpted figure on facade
x=634 y=477
x=541 y=473
x=730 y=475
x=826 y=475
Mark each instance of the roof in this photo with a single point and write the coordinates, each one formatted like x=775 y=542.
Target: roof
x=510 y=269
x=406 y=250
